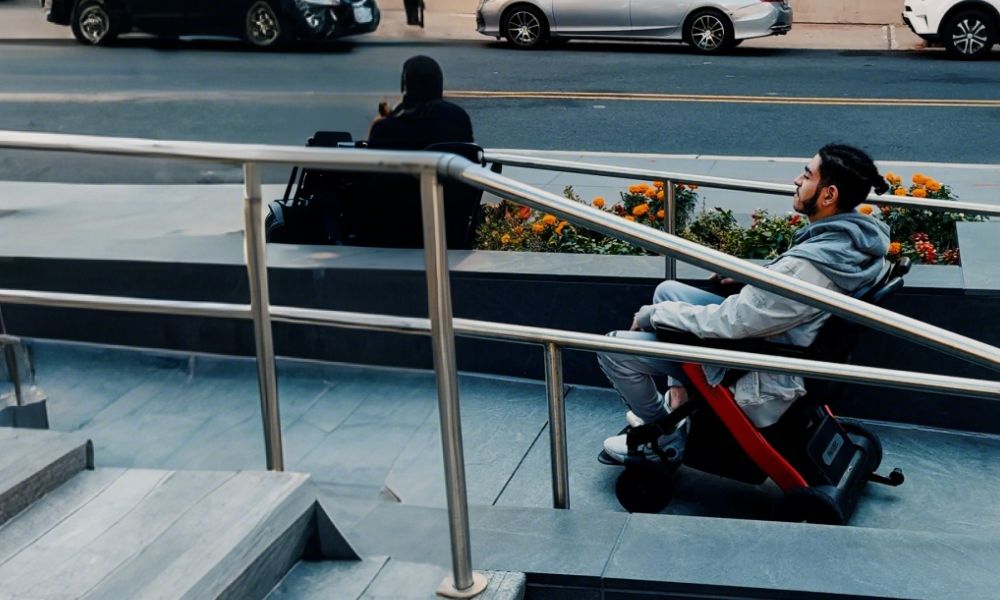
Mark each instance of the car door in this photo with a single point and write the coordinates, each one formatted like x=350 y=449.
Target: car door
x=159 y=16
x=591 y=17
x=657 y=18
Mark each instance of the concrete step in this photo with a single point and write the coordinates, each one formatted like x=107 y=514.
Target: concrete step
x=134 y=533
x=34 y=462
x=383 y=577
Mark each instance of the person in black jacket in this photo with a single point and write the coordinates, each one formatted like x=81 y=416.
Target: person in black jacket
x=423 y=117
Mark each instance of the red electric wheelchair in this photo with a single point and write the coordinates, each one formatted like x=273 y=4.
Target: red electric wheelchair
x=820 y=463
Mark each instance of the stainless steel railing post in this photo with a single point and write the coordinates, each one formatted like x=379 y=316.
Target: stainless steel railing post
x=557 y=426
x=256 y=258
x=670 y=224
x=463 y=580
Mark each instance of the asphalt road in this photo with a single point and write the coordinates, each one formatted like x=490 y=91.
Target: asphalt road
x=774 y=102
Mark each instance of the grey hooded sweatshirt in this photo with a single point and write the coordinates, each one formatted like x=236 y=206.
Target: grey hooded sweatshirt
x=843 y=252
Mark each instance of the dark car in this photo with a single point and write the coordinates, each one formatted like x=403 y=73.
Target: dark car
x=262 y=23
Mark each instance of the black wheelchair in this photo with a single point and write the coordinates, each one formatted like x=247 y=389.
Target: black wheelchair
x=369 y=209
x=820 y=462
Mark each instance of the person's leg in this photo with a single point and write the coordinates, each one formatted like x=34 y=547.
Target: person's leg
x=632 y=376
x=675 y=291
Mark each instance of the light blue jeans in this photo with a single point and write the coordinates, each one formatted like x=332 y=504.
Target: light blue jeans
x=632 y=376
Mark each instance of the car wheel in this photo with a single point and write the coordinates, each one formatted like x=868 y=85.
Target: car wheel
x=709 y=32
x=969 y=34
x=525 y=27
x=262 y=27
x=92 y=23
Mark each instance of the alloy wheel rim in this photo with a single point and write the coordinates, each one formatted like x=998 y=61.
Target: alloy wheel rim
x=263 y=24
x=524 y=27
x=94 y=23
x=969 y=37
x=707 y=32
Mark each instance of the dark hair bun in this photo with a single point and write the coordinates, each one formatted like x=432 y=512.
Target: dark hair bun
x=880 y=186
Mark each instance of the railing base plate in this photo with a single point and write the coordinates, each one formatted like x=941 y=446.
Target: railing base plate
x=447 y=588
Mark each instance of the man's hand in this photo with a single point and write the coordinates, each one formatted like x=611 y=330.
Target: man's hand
x=716 y=278
x=641 y=320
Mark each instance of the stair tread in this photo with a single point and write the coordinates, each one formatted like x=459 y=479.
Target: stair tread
x=135 y=533
x=33 y=462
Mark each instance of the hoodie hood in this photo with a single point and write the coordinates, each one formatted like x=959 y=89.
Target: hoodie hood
x=849 y=248
x=422 y=80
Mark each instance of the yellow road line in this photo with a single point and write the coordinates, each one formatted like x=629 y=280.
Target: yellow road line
x=653 y=97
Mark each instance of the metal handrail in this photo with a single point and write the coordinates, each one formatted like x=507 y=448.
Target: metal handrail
x=524 y=334
x=725 y=183
x=442 y=326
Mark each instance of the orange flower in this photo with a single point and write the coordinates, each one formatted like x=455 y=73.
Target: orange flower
x=680 y=186
x=560 y=227
x=919 y=193
x=660 y=214
x=598 y=202
x=523 y=213
x=639 y=188
x=893 y=178
x=640 y=209
x=933 y=185
x=658 y=185
x=550 y=219
x=900 y=192
x=895 y=248
x=537 y=228
x=630 y=218
x=866 y=209
x=660 y=195
x=651 y=193
x=919 y=178
x=505 y=239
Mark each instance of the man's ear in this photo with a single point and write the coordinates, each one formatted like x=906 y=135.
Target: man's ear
x=831 y=195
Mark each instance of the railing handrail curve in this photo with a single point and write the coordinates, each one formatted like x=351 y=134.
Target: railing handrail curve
x=725 y=183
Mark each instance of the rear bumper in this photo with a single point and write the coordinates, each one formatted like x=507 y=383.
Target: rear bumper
x=762 y=19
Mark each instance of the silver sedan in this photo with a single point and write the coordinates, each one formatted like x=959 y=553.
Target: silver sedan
x=709 y=26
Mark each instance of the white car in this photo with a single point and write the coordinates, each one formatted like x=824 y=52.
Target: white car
x=967 y=28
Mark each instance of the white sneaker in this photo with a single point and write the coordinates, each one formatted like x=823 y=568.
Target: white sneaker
x=616 y=446
x=633 y=420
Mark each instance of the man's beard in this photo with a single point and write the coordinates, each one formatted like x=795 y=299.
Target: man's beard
x=809 y=206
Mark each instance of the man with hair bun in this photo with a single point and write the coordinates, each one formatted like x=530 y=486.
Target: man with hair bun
x=841 y=249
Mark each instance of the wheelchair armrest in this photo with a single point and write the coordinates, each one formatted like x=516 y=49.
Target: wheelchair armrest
x=755 y=345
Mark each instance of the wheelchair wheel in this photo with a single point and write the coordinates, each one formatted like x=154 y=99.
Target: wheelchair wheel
x=806 y=505
x=644 y=488
x=861 y=431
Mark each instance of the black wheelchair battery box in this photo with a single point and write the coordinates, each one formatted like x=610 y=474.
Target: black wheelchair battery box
x=831 y=450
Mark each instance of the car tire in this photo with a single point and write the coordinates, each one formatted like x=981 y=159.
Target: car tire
x=525 y=27
x=709 y=32
x=93 y=24
x=263 y=26
x=969 y=34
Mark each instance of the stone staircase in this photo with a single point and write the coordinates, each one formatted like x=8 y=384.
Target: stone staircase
x=70 y=531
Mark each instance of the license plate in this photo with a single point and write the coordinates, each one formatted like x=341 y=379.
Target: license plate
x=362 y=14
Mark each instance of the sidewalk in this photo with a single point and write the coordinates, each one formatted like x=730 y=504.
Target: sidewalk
x=203 y=222
x=454 y=20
